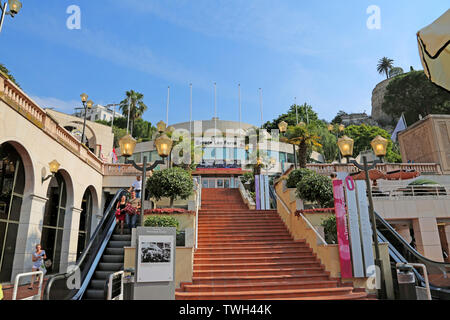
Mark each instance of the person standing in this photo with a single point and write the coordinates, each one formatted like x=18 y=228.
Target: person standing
x=133 y=210
x=120 y=214
x=137 y=187
x=38 y=258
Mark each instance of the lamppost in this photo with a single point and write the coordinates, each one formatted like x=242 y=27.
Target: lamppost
x=282 y=126
x=336 y=131
x=14 y=5
x=164 y=147
x=87 y=105
x=379 y=146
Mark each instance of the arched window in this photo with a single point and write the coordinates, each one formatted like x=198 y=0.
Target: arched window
x=84 y=231
x=53 y=225
x=12 y=185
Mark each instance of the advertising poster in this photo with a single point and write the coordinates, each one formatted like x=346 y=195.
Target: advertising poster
x=155 y=258
x=342 y=230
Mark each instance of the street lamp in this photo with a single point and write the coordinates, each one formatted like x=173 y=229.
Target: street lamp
x=87 y=105
x=282 y=126
x=340 y=128
x=379 y=147
x=14 y=5
x=54 y=167
x=163 y=146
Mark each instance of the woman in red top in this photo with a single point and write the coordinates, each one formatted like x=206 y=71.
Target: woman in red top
x=120 y=214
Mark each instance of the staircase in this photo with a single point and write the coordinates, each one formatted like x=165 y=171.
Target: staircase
x=111 y=262
x=244 y=254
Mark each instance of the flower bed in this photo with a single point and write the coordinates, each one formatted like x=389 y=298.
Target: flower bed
x=168 y=211
x=317 y=210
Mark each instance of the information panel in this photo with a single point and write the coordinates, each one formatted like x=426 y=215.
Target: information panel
x=155 y=258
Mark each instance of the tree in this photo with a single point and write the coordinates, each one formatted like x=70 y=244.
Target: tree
x=305 y=113
x=395 y=71
x=296 y=176
x=338 y=118
x=413 y=94
x=306 y=138
x=134 y=102
x=171 y=183
x=384 y=66
x=316 y=188
x=8 y=74
x=363 y=136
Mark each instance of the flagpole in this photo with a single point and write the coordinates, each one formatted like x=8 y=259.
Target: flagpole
x=190 y=110
x=167 y=107
x=261 y=106
x=240 y=108
x=296 y=111
x=215 y=108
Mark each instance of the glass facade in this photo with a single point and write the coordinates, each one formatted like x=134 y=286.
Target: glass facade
x=12 y=185
x=84 y=230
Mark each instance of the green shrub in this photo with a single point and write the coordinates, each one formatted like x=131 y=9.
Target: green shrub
x=316 y=188
x=161 y=221
x=248 y=177
x=295 y=176
x=330 y=230
x=172 y=183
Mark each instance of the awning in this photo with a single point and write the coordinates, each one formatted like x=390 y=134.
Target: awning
x=402 y=175
x=434 y=49
x=374 y=174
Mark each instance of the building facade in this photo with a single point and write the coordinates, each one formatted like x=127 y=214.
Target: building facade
x=98 y=112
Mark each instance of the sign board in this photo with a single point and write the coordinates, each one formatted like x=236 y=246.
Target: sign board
x=155 y=258
x=258 y=193
x=342 y=230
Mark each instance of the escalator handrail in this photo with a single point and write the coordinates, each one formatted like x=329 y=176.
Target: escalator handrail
x=109 y=213
x=408 y=246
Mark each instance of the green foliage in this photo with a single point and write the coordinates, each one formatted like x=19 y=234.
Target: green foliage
x=172 y=183
x=305 y=112
x=328 y=140
x=306 y=137
x=296 y=176
x=330 y=229
x=249 y=178
x=413 y=94
x=421 y=182
x=134 y=102
x=385 y=65
x=363 y=136
x=142 y=131
x=161 y=221
x=8 y=74
x=316 y=188
x=338 y=118
x=395 y=72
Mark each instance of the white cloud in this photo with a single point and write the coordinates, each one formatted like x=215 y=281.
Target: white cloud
x=57 y=104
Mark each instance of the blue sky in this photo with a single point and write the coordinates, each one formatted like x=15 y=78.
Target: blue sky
x=318 y=51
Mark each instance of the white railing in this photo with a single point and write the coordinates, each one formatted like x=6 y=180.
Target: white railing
x=111 y=279
x=198 y=199
x=245 y=194
x=401 y=191
x=39 y=274
x=303 y=217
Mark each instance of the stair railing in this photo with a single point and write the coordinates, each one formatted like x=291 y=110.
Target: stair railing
x=198 y=199
x=303 y=217
x=245 y=194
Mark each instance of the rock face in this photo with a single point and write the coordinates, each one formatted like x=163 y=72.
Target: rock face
x=377 y=101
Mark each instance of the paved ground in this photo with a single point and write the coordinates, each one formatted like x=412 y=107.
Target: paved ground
x=22 y=292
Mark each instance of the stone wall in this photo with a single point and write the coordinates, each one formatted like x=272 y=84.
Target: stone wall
x=377 y=101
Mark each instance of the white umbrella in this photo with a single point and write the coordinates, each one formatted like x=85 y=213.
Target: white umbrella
x=434 y=49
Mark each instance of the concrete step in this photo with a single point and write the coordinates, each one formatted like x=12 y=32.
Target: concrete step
x=257 y=266
x=260 y=272
x=256 y=279
x=223 y=259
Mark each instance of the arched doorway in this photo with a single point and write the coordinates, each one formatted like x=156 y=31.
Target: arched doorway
x=84 y=230
x=53 y=224
x=12 y=185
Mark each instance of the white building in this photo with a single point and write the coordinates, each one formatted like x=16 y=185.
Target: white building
x=99 y=112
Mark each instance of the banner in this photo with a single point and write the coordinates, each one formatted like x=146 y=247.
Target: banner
x=342 y=231
x=257 y=192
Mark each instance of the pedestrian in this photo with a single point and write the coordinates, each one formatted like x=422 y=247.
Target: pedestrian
x=137 y=187
x=120 y=213
x=38 y=258
x=132 y=210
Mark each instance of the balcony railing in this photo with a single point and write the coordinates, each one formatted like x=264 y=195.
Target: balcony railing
x=402 y=191
x=423 y=168
x=15 y=98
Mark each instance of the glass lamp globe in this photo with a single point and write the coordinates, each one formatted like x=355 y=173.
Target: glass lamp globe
x=283 y=126
x=89 y=104
x=163 y=145
x=54 y=166
x=127 y=145
x=14 y=6
x=379 y=146
x=161 y=126
x=346 y=146
x=84 y=97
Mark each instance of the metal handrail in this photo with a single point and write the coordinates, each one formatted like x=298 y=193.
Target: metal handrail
x=34 y=273
x=109 y=286
x=83 y=256
x=397 y=191
x=425 y=274
x=303 y=217
x=198 y=190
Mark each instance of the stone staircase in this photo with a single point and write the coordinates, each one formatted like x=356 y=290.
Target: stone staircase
x=244 y=254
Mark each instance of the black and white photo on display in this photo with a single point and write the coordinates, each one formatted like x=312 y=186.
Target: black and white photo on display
x=155 y=252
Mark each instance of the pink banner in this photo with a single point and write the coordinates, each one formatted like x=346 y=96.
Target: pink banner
x=342 y=230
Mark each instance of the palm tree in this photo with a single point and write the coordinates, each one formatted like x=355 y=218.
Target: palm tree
x=384 y=66
x=134 y=102
x=305 y=137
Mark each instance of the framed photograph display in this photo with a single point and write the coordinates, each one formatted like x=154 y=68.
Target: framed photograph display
x=155 y=257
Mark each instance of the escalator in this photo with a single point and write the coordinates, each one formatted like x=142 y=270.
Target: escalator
x=401 y=251
x=102 y=257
